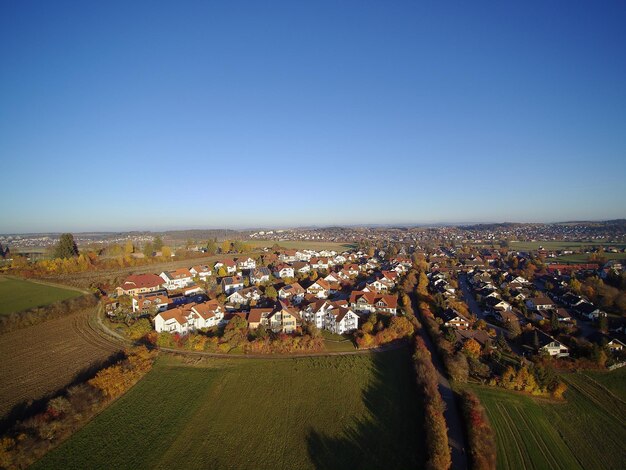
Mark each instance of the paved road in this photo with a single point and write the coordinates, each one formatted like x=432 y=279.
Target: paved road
x=474 y=308
x=456 y=434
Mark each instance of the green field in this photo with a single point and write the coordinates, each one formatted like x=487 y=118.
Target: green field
x=19 y=294
x=357 y=411
x=584 y=258
x=587 y=431
x=303 y=244
x=559 y=245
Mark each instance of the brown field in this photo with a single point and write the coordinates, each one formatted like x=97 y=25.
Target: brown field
x=41 y=359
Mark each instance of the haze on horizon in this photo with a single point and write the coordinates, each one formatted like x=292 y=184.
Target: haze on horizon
x=154 y=116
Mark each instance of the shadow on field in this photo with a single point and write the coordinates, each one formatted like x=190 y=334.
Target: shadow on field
x=389 y=435
x=30 y=408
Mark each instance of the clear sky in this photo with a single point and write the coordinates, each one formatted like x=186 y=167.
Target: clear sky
x=152 y=115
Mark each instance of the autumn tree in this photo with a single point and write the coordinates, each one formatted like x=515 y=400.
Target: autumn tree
x=148 y=248
x=166 y=252
x=157 y=244
x=471 y=347
x=270 y=292
x=66 y=248
x=211 y=246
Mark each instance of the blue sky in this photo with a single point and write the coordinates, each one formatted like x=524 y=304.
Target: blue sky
x=157 y=115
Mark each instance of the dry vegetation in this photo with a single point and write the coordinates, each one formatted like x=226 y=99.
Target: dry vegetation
x=41 y=359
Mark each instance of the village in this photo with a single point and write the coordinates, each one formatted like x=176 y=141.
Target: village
x=510 y=303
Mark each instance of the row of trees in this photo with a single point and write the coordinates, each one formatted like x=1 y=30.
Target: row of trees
x=480 y=435
x=437 y=448
x=383 y=329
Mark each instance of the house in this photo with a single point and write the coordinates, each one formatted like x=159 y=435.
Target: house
x=495 y=304
x=540 y=303
x=542 y=343
x=319 y=288
x=139 y=284
x=284 y=270
x=229 y=265
x=259 y=275
x=208 y=314
x=341 y=320
x=288 y=256
x=284 y=319
x=610 y=342
x=172 y=321
x=258 y=316
x=201 y=271
x=332 y=278
x=301 y=267
x=589 y=311
x=248 y=263
x=481 y=336
x=352 y=270
x=150 y=302
x=177 y=279
x=369 y=302
x=315 y=312
x=319 y=263
x=292 y=292
x=231 y=284
x=245 y=296
x=453 y=319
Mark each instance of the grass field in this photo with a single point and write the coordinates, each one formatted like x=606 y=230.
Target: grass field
x=303 y=244
x=559 y=245
x=586 y=432
x=584 y=258
x=356 y=411
x=19 y=294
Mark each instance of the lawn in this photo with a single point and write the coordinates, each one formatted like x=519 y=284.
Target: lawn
x=303 y=244
x=19 y=294
x=585 y=432
x=357 y=411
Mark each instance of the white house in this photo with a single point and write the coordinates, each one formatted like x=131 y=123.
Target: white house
x=292 y=292
x=245 y=296
x=284 y=270
x=341 y=320
x=178 y=279
x=248 y=263
x=320 y=288
x=259 y=275
x=201 y=271
x=232 y=284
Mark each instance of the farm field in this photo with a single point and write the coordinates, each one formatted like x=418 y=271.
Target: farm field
x=43 y=358
x=20 y=294
x=585 y=432
x=356 y=411
x=302 y=244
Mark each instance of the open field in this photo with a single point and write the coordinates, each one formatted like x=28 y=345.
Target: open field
x=41 y=359
x=296 y=413
x=584 y=258
x=586 y=432
x=559 y=245
x=303 y=244
x=19 y=294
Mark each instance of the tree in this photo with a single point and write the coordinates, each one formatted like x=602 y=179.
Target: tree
x=471 y=347
x=148 y=249
x=270 y=293
x=66 y=248
x=166 y=252
x=211 y=246
x=157 y=243
x=603 y=323
x=129 y=248
x=554 y=321
x=226 y=245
